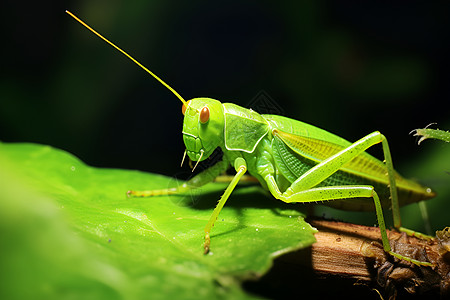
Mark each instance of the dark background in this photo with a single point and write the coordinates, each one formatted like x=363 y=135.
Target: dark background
x=345 y=66
x=350 y=67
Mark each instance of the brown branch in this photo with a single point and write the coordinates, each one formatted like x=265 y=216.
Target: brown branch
x=354 y=251
x=348 y=261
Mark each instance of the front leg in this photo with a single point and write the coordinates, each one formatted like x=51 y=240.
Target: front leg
x=202 y=178
x=241 y=167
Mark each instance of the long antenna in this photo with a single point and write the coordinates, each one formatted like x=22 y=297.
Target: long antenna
x=129 y=56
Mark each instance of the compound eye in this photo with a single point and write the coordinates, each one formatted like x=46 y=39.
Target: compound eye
x=204 y=115
x=184 y=107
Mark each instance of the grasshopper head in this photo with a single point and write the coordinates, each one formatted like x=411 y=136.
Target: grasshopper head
x=203 y=127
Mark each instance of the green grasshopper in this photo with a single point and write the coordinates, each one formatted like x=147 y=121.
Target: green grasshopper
x=295 y=161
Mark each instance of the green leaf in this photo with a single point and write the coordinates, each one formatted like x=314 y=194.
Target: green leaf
x=69 y=231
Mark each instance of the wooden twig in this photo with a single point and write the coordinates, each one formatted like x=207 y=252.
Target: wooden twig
x=354 y=251
x=348 y=261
